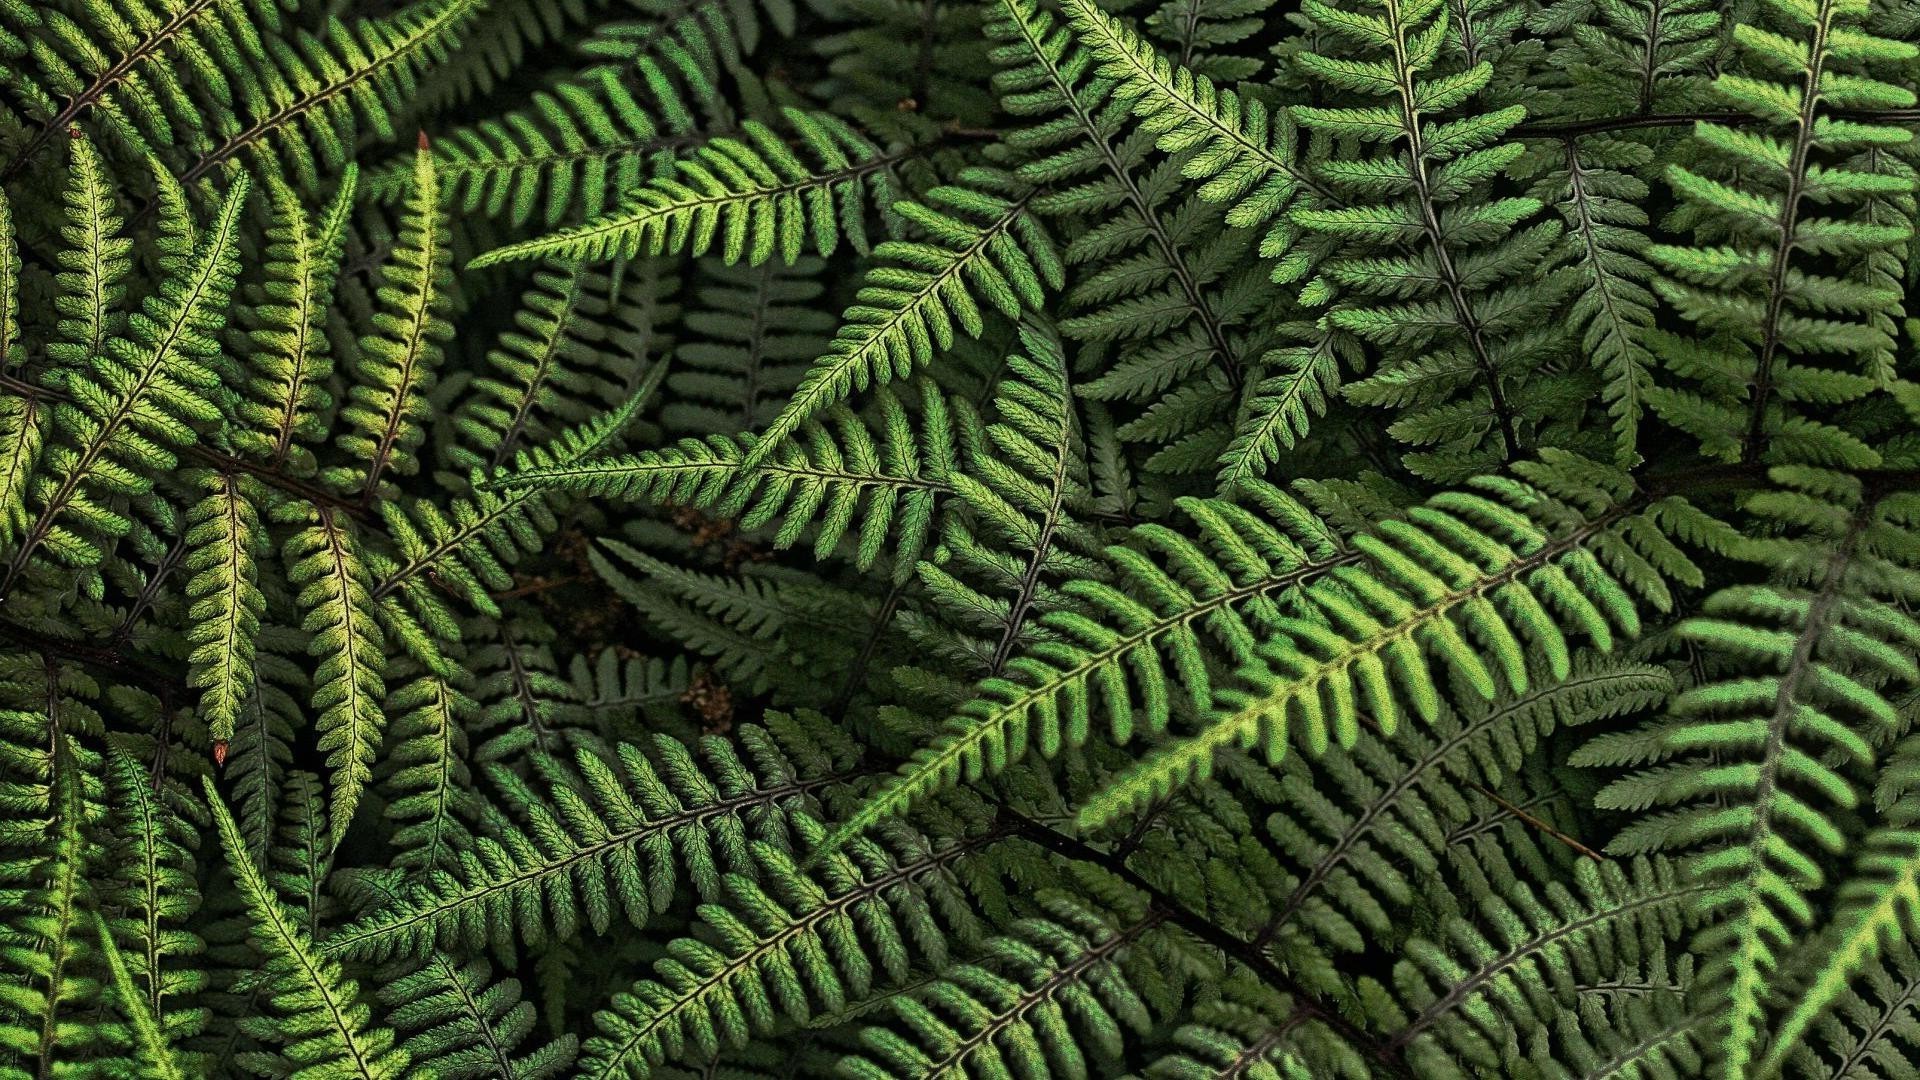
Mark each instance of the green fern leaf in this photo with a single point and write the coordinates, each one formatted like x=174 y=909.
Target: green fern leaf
x=140 y=395
x=398 y=363
x=327 y=1031
x=982 y=245
x=841 y=477
x=752 y=196
x=605 y=838
x=323 y=562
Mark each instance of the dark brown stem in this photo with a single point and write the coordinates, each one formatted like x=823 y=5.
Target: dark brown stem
x=1538 y=823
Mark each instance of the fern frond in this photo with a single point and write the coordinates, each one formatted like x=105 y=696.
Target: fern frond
x=261 y=749
x=573 y=151
x=226 y=543
x=1047 y=1000
x=328 y=85
x=1476 y=968
x=1870 y=1031
x=430 y=786
x=285 y=402
x=1597 y=192
x=327 y=1031
x=1151 y=628
x=398 y=363
x=1461 y=312
x=151 y=1051
x=324 y=564
x=20 y=416
x=1773 y=317
x=753 y=196
x=607 y=838
x=138 y=399
x=841 y=478
x=1280 y=407
x=982 y=244
x=1361 y=828
x=1020 y=534
x=1164 y=283
x=151 y=902
x=657 y=85
x=791 y=943
x=1751 y=760
x=579 y=339
x=1242 y=151
x=757 y=330
x=465 y=1023
x=468 y=548
x=1877 y=904
x=94 y=262
x=121 y=68
x=1466 y=567
x=57 y=802
x=1469 y=584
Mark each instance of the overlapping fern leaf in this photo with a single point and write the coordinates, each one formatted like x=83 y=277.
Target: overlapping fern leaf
x=983 y=251
x=1754 y=764
x=318 y=93
x=581 y=341
x=467 y=548
x=753 y=197
x=134 y=406
x=324 y=1029
x=1508 y=569
x=793 y=943
x=385 y=413
x=838 y=478
x=284 y=403
x=1357 y=830
x=657 y=84
x=759 y=327
x=149 y=72
x=1017 y=537
x=56 y=804
x=324 y=563
x=1158 y=283
x=1454 y=282
x=465 y=1022
x=1056 y=996
x=1785 y=214
x=613 y=838
x=1244 y=152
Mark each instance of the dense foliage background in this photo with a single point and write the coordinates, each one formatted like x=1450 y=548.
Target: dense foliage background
x=958 y=538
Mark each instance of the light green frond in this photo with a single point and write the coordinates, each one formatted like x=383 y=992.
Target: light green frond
x=335 y=594
x=289 y=358
x=386 y=407
x=608 y=838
